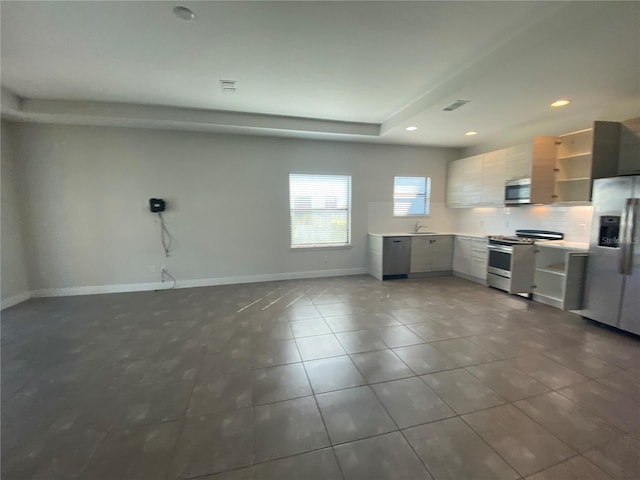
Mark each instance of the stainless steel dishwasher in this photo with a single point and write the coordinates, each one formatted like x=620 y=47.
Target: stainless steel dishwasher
x=396 y=257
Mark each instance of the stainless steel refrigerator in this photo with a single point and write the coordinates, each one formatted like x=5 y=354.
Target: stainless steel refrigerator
x=612 y=288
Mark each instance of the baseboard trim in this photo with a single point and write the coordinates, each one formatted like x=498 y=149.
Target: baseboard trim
x=98 y=289
x=198 y=282
x=14 y=300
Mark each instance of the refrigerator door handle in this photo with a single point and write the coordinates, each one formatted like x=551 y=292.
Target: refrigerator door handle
x=628 y=235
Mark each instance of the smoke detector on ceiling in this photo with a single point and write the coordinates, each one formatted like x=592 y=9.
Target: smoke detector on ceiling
x=228 y=86
x=455 y=105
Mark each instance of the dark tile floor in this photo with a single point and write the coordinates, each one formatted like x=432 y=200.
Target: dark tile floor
x=341 y=378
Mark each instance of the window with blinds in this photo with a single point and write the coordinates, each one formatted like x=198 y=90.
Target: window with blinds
x=320 y=210
x=411 y=196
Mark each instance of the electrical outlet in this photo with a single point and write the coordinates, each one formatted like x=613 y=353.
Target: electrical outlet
x=326 y=259
x=153 y=269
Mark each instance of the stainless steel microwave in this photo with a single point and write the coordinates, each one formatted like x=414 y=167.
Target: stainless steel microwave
x=517 y=191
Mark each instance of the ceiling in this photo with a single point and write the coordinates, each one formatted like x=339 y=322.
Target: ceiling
x=360 y=71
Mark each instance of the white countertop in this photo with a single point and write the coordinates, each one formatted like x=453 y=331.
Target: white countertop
x=562 y=244
x=412 y=234
x=573 y=246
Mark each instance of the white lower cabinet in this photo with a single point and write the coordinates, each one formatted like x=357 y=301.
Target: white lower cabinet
x=462 y=255
x=470 y=258
x=431 y=254
x=559 y=277
x=479 y=268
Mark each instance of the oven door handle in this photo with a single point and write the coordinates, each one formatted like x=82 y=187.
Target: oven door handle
x=500 y=248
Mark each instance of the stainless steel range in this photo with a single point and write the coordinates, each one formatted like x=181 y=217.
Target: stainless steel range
x=511 y=263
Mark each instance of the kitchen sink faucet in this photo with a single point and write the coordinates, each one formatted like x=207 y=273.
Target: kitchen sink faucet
x=418 y=226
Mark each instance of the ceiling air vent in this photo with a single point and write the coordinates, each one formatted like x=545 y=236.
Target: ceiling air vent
x=454 y=105
x=228 y=86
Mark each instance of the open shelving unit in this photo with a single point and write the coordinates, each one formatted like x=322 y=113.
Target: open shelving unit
x=583 y=156
x=559 y=277
x=574 y=167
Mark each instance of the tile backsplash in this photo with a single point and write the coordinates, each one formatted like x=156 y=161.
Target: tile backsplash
x=574 y=221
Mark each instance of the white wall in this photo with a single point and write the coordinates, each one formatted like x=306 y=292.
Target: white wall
x=88 y=222
x=15 y=285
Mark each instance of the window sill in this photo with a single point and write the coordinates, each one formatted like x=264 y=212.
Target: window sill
x=323 y=247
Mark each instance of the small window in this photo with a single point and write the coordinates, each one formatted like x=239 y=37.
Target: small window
x=320 y=210
x=411 y=196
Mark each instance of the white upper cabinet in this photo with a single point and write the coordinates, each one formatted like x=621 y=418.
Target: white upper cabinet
x=518 y=161
x=455 y=183
x=480 y=180
x=493 y=178
x=473 y=179
x=477 y=180
x=464 y=181
x=561 y=169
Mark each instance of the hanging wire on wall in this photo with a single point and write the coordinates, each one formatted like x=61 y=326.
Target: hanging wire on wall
x=165 y=236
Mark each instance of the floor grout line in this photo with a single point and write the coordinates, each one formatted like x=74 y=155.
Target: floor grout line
x=161 y=304
x=324 y=423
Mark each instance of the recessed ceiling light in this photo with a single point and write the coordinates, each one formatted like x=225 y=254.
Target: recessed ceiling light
x=184 y=13
x=560 y=103
x=412 y=128
x=471 y=133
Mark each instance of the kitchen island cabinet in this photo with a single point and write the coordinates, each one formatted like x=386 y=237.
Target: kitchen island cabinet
x=559 y=276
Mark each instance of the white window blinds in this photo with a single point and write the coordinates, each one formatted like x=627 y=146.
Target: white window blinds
x=411 y=196
x=320 y=210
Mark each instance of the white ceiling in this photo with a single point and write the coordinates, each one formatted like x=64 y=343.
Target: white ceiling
x=353 y=70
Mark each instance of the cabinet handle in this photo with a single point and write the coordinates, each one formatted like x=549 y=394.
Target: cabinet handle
x=397 y=241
